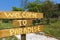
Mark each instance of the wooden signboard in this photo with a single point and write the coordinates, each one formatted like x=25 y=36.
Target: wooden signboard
x=25 y=19
x=19 y=23
x=17 y=31
x=20 y=15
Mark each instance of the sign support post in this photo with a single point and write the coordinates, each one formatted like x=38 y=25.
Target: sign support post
x=23 y=36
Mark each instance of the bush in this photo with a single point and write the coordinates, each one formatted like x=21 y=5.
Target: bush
x=6 y=20
x=53 y=20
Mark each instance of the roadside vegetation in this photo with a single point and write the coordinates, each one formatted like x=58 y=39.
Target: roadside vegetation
x=51 y=20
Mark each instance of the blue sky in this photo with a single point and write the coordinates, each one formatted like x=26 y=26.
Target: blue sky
x=56 y=1
x=6 y=5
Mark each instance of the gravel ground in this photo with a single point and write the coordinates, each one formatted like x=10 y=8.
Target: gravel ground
x=33 y=36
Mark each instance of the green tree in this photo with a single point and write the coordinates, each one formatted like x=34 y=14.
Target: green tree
x=16 y=9
x=47 y=7
x=34 y=6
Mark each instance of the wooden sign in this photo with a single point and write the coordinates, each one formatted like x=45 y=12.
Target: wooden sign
x=19 y=23
x=17 y=31
x=19 y=15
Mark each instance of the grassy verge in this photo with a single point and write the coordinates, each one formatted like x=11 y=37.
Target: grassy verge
x=53 y=29
x=6 y=25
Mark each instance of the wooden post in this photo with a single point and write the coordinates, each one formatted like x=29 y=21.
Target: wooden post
x=23 y=36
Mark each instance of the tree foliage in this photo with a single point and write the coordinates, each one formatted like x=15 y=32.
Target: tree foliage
x=47 y=7
x=16 y=9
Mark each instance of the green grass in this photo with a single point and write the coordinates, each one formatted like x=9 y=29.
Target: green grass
x=6 y=25
x=53 y=29
x=10 y=38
